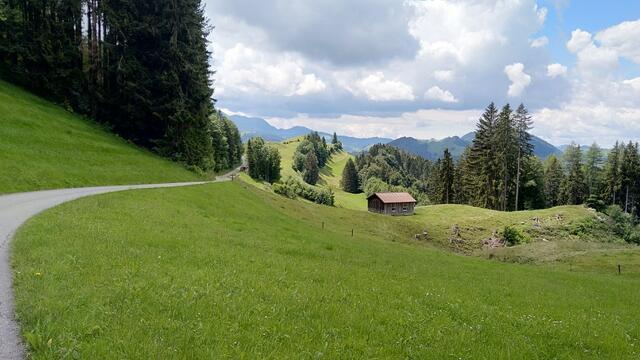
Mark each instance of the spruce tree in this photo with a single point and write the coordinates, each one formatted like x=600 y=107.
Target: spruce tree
x=593 y=170
x=447 y=177
x=483 y=159
x=523 y=123
x=612 y=178
x=311 y=172
x=630 y=177
x=334 y=139
x=553 y=181
x=574 y=189
x=507 y=151
x=350 y=182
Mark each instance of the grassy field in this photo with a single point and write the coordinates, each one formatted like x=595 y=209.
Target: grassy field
x=64 y=150
x=229 y=271
x=330 y=175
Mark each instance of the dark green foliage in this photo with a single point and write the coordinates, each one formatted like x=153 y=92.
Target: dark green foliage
x=311 y=172
x=263 y=161
x=532 y=190
x=225 y=142
x=392 y=169
x=141 y=67
x=612 y=179
x=595 y=202
x=574 y=189
x=484 y=162
x=311 y=155
x=630 y=179
x=593 y=161
x=293 y=188
x=447 y=173
x=350 y=182
x=553 y=180
x=523 y=123
x=512 y=236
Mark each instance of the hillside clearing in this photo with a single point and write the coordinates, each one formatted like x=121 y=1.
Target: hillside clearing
x=45 y=147
x=227 y=270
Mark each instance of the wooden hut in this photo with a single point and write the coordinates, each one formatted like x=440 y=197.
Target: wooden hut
x=392 y=203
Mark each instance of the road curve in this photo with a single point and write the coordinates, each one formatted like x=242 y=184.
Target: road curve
x=15 y=209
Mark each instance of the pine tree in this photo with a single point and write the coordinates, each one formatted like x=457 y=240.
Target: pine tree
x=463 y=179
x=507 y=150
x=533 y=184
x=612 y=178
x=553 y=181
x=311 y=172
x=523 y=123
x=593 y=169
x=630 y=176
x=483 y=159
x=574 y=189
x=447 y=177
x=334 y=139
x=350 y=182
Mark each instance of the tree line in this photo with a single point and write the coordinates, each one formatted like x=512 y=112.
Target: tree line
x=312 y=154
x=141 y=67
x=499 y=171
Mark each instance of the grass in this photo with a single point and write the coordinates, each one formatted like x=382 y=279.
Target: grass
x=229 y=271
x=330 y=174
x=44 y=146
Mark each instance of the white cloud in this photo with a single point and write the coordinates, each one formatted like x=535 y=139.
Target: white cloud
x=374 y=87
x=422 y=124
x=634 y=83
x=540 y=42
x=519 y=79
x=248 y=70
x=555 y=70
x=579 y=40
x=624 y=38
x=444 y=75
x=435 y=93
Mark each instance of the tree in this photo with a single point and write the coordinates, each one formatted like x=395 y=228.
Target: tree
x=483 y=159
x=574 y=189
x=533 y=185
x=263 y=161
x=612 y=178
x=447 y=176
x=311 y=172
x=350 y=182
x=507 y=150
x=630 y=177
x=553 y=180
x=334 y=139
x=523 y=123
x=593 y=169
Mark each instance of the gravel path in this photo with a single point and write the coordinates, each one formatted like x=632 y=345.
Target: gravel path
x=15 y=209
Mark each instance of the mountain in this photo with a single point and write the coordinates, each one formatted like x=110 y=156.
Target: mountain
x=433 y=149
x=250 y=127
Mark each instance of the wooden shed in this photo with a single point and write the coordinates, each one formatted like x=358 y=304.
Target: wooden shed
x=392 y=203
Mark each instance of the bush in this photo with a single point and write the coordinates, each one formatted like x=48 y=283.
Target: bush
x=293 y=188
x=596 y=203
x=512 y=236
x=633 y=236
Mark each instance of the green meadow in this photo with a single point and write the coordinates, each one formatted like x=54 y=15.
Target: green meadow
x=44 y=146
x=231 y=271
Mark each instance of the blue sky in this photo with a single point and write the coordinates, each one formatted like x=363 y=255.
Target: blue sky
x=427 y=68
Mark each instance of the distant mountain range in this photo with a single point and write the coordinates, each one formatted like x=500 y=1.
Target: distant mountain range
x=428 y=149
x=250 y=127
x=433 y=149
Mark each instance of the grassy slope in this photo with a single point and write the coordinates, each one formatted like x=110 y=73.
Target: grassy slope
x=229 y=271
x=330 y=174
x=64 y=150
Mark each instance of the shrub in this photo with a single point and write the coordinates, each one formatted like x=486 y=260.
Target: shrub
x=512 y=236
x=293 y=188
x=596 y=203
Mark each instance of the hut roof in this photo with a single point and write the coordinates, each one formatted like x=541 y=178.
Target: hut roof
x=394 y=197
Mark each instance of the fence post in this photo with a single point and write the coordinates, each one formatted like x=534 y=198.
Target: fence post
x=351 y=232
x=619 y=269
x=323 y=225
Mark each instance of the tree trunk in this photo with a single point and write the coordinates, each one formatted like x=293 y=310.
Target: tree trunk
x=518 y=181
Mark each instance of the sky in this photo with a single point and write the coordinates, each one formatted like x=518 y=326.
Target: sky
x=428 y=68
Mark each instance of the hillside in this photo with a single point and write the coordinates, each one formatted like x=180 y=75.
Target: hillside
x=250 y=127
x=433 y=149
x=171 y=274
x=44 y=147
x=330 y=175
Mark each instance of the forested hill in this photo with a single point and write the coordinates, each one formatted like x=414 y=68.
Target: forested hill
x=433 y=149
